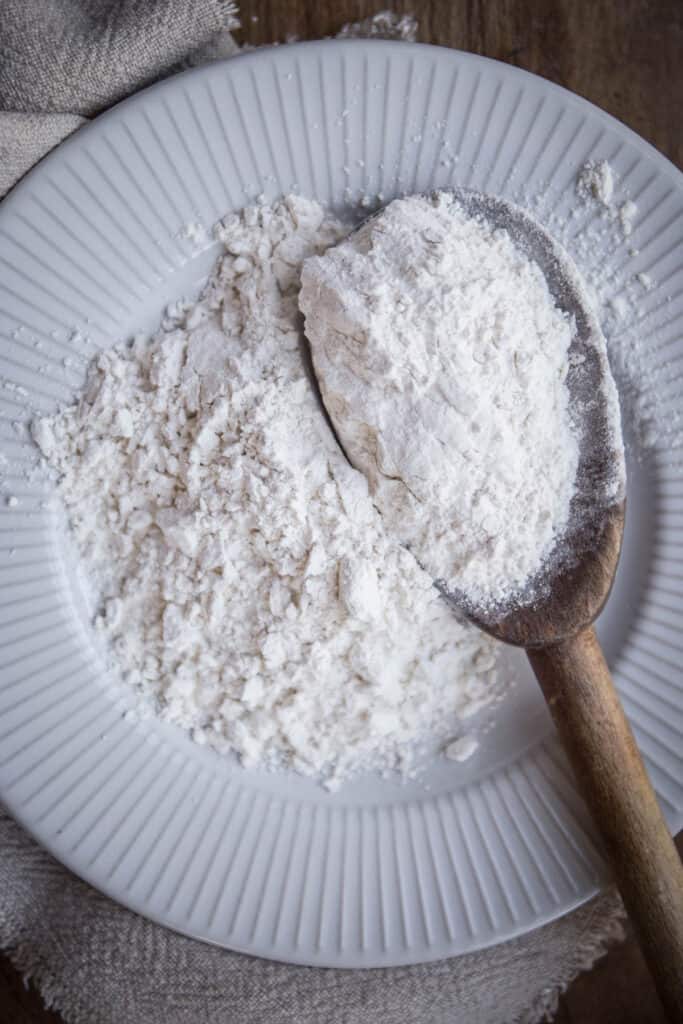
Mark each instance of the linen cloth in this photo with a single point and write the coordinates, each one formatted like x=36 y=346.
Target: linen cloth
x=62 y=61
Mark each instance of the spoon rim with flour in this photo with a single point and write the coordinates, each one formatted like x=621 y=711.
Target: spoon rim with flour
x=596 y=511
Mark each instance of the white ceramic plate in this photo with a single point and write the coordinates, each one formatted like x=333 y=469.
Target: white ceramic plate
x=379 y=873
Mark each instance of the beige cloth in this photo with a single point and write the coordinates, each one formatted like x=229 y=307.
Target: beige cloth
x=63 y=60
x=91 y=959
x=100 y=964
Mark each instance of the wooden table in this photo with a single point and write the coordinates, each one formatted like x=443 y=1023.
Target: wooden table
x=624 y=55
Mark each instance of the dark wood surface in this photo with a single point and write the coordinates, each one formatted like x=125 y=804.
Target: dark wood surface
x=624 y=55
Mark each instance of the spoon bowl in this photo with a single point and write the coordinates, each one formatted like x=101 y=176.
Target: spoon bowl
x=571 y=590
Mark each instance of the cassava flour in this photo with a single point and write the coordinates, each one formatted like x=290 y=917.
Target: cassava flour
x=442 y=360
x=244 y=579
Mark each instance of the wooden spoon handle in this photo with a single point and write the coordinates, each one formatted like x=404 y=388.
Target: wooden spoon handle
x=587 y=712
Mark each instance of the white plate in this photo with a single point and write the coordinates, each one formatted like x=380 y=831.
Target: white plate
x=378 y=873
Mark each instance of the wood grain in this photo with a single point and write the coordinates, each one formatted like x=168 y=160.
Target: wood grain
x=626 y=57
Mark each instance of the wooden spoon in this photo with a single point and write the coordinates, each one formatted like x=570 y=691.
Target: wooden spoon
x=555 y=628
x=570 y=667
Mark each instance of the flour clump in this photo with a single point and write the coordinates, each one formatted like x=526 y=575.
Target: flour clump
x=595 y=180
x=243 y=579
x=442 y=360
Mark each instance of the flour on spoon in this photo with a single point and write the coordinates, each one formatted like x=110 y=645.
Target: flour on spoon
x=442 y=360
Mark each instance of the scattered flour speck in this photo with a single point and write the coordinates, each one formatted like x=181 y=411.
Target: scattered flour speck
x=596 y=180
x=462 y=749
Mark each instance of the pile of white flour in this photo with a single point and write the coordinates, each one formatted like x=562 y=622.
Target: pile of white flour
x=244 y=579
x=442 y=360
